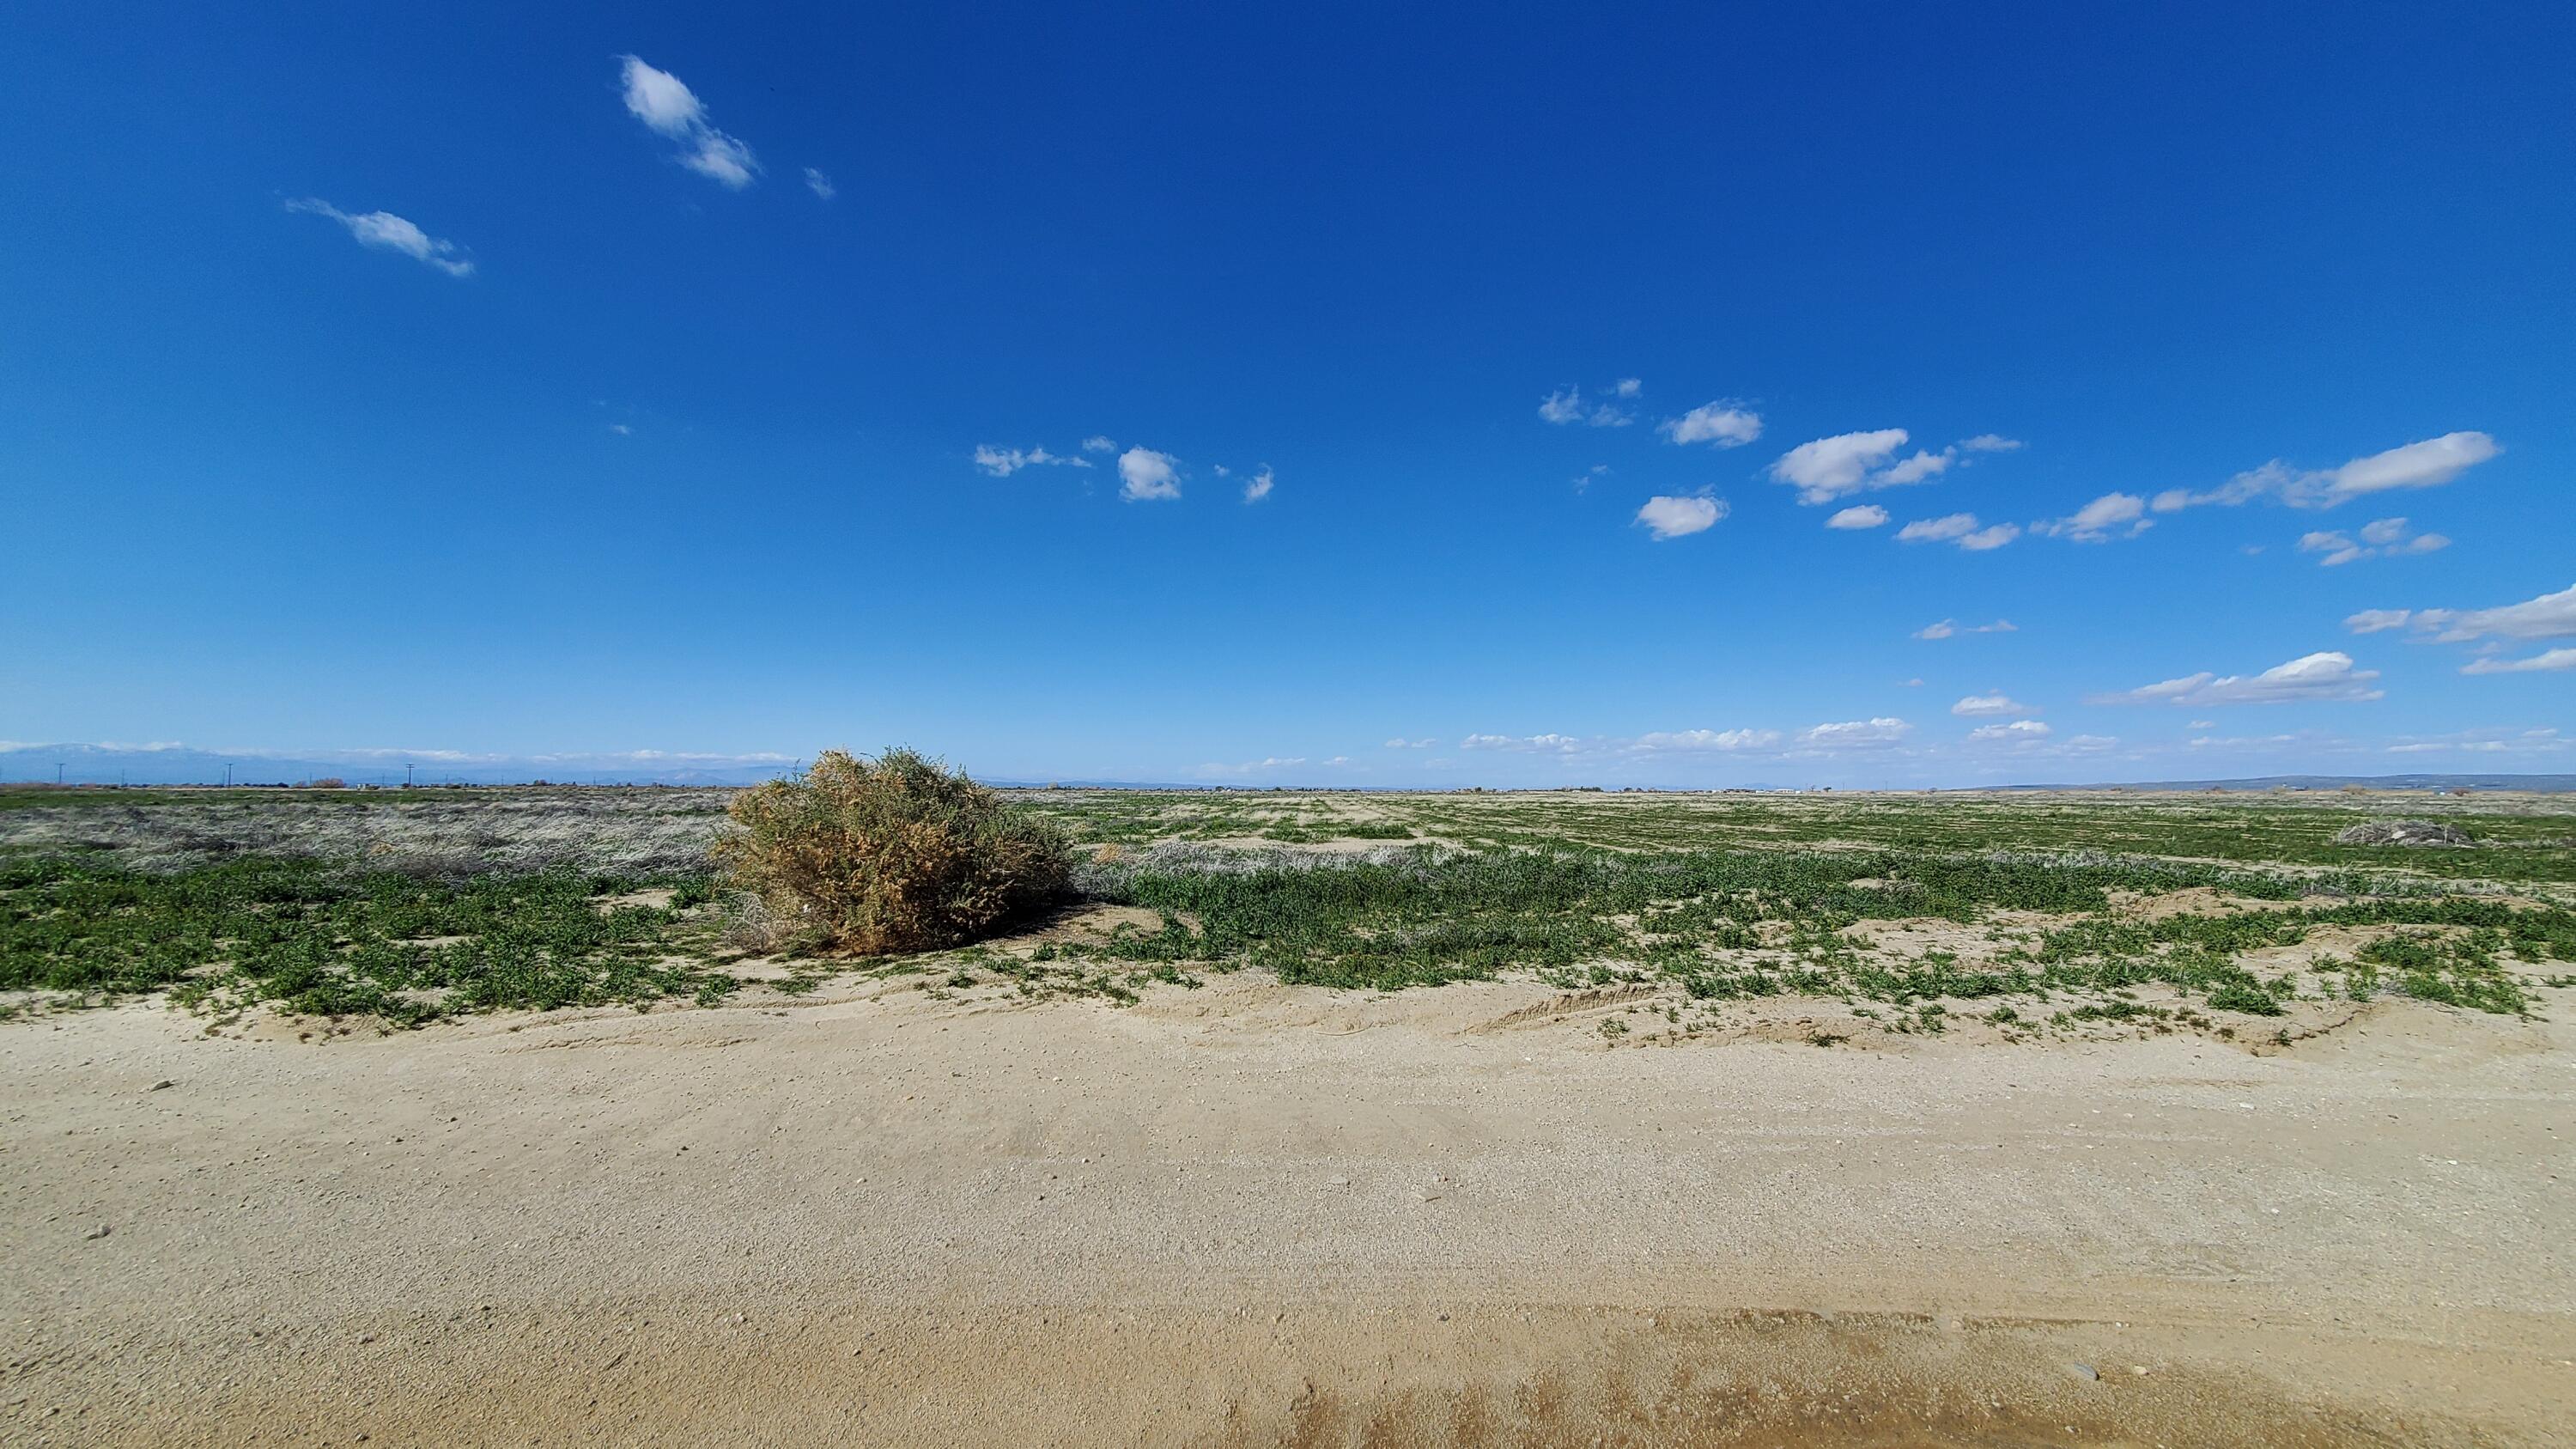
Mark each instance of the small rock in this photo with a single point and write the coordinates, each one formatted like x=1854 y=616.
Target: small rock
x=96 y=1233
x=2085 y=1371
x=2138 y=1369
x=163 y=1085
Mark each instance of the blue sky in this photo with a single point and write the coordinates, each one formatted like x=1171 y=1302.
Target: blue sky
x=659 y=378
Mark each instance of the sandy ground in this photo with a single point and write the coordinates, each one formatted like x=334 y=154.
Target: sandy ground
x=1248 y=1215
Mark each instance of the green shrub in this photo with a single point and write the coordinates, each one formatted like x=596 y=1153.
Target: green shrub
x=892 y=854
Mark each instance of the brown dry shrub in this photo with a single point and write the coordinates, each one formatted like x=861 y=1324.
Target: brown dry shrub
x=892 y=854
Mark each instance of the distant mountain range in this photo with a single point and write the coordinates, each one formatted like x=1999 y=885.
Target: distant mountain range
x=2539 y=784
x=180 y=765
x=183 y=765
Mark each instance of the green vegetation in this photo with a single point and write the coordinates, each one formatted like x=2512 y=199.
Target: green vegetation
x=2008 y=915
x=328 y=941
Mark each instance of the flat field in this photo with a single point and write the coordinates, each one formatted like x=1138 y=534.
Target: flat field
x=493 y=1116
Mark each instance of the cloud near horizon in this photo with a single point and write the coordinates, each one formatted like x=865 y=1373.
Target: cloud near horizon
x=2324 y=676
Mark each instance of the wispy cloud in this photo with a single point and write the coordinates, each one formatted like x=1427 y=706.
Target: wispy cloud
x=1566 y=406
x=2382 y=538
x=2544 y=661
x=1258 y=486
x=669 y=108
x=2324 y=676
x=1990 y=704
x=1961 y=529
x=820 y=184
x=1719 y=741
x=2427 y=464
x=1948 y=627
x=392 y=233
x=1724 y=423
x=2113 y=515
x=1865 y=515
x=1003 y=462
x=1670 y=517
x=2020 y=731
x=2550 y=616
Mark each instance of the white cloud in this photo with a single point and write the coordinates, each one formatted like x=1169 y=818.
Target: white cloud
x=2324 y=676
x=2427 y=464
x=1003 y=462
x=1855 y=733
x=820 y=184
x=1718 y=740
x=720 y=157
x=1961 y=529
x=1400 y=743
x=1828 y=468
x=1628 y=387
x=1566 y=405
x=392 y=233
x=1938 y=530
x=2546 y=660
x=662 y=102
x=2113 y=515
x=1725 y=423
x=1913 y=470
x=1255 y=767
x=2380 y=538
x=1523 y=744
x=2487 y=742
x=2550 y=616
x=1989 y=443
x=1584 y=480
x=1099 y=443
x=1865 y=515
x=1948 y=627
x=1990 y=704
x=2019 y=731
x=1258 y=486
x=1144 y=473
x=1672 y=517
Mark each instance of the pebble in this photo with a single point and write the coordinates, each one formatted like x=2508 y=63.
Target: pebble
x=96 y=1233
x=164 y=1084
x=2085 y=1371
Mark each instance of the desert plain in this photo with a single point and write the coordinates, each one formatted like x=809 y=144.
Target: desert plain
x=1528 y=1118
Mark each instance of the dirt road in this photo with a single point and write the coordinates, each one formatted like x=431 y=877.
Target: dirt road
x=1249 y=1215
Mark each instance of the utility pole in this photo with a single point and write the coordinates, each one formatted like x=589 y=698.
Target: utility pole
x=58 y=773
x=406 y=777
x=228 y=774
